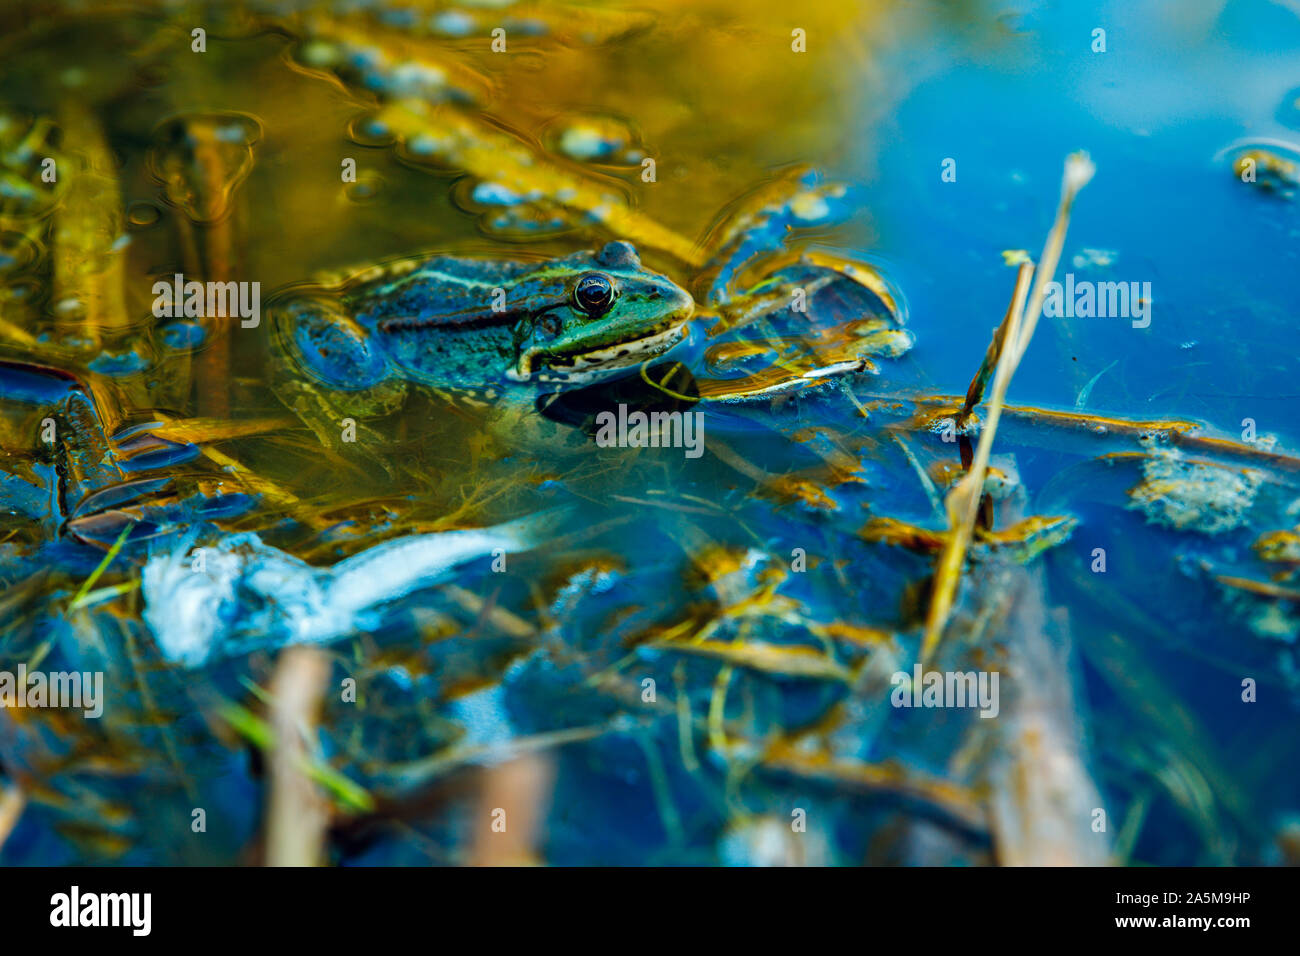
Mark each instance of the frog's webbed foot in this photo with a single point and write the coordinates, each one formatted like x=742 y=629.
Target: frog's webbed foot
x=787 y=323
x=760 y=224
x=807 y=323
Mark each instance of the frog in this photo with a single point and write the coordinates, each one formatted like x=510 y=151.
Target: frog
x=493 y=333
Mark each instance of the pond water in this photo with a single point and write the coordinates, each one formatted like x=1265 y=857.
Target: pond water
x=688 y=654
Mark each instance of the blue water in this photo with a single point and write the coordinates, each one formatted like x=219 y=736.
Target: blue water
x=1178 y=84
x=1160 y=654
x=1153 y=111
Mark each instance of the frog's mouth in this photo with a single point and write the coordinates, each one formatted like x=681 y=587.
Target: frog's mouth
x=582 y=366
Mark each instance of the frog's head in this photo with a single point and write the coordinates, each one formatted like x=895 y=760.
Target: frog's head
x=607 y=312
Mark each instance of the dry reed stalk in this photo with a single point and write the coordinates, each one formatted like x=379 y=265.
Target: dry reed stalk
x=297 y=812
x=12 y=802
x=964 y=499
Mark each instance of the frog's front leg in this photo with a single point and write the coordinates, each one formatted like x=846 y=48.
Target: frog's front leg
x=327 y=372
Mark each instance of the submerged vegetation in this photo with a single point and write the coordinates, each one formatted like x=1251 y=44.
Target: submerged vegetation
x=467 y=433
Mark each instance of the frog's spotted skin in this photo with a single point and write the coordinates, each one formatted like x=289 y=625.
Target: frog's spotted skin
x=486 y=324
x=481 y=332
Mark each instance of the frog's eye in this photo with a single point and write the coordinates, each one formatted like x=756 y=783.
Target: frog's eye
x=594 y=294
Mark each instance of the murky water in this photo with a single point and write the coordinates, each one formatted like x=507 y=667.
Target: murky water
x=693 y=646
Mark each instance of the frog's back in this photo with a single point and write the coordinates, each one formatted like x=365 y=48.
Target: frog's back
x=441 y=286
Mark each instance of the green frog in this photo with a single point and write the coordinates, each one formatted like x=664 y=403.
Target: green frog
x=479 y=331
